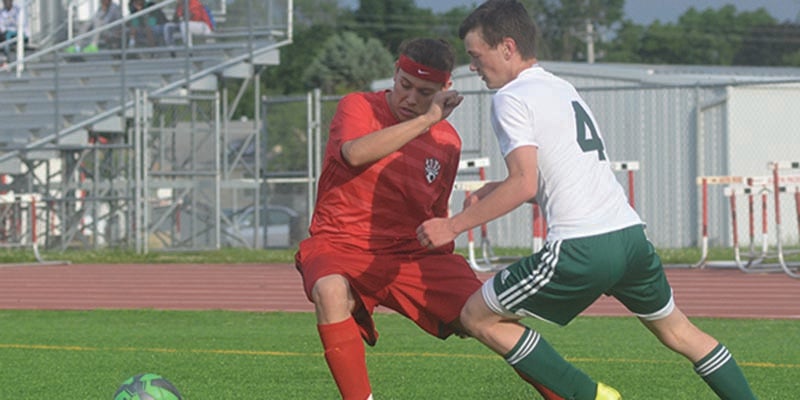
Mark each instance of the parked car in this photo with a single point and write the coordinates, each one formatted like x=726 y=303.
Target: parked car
x=280 y=224
x=236 y=147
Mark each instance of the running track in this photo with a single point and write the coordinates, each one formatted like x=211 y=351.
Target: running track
x=716 y=292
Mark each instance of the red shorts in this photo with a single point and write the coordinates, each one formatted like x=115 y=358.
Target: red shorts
x=429 y=289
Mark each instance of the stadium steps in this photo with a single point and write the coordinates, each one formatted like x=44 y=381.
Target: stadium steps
x=43 y=107
x=79 y=90
x=69 y=95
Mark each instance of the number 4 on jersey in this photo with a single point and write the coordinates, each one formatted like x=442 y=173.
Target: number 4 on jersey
x=589 y=141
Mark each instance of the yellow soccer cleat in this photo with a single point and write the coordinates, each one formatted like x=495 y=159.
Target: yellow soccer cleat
x=605 y=392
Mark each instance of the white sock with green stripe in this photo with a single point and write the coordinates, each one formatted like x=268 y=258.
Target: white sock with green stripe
x=722 y=374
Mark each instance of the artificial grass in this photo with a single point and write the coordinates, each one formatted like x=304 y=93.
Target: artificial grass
x=243 y=355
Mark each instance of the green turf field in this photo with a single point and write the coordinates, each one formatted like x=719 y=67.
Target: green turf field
x=236 y=355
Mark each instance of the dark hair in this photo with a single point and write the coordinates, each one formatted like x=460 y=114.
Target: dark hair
x=435 y=53
x=499 y=19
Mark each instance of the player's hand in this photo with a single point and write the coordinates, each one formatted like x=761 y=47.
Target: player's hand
x=435 y=232
x=444 y=103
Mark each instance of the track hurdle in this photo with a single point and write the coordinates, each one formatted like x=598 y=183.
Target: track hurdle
x=630 y=167
x=791 y=269
x=19 y=226
x=488 y=261
x=705 y=182
x=754 y=187
x=751 y=188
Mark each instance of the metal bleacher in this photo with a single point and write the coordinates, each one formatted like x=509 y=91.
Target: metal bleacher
x=55 y=103
x=82 y=89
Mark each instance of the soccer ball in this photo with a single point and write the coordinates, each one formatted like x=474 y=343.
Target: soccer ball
x=147 y=387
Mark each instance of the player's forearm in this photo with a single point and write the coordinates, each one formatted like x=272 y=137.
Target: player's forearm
x=379 y=144
x=486 y=189
x=505 y=197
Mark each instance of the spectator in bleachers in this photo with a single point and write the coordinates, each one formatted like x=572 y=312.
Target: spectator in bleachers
x=199 y=22
x=9 y=26
x=148 y=29
x=107 y=13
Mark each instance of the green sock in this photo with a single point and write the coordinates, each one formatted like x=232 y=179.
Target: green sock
x=537 y=361
x=721 y=373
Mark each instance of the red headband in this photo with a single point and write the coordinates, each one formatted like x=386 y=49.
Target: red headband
x=422 y=71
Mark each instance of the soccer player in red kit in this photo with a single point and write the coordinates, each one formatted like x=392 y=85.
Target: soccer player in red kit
x=390 y=164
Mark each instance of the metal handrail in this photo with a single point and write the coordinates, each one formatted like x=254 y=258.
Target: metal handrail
x=163 y=90
x=20 y=62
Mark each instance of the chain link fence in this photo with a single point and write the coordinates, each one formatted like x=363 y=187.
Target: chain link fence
x=182 y=177
x=675 y=133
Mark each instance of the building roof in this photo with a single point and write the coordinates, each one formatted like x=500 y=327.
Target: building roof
x=611 y=74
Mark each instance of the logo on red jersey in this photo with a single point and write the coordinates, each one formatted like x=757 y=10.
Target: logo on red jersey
x=432 y=168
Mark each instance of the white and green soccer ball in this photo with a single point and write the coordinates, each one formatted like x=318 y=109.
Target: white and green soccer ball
x=147 y=387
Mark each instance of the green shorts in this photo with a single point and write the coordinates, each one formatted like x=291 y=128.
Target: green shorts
x=567 y=276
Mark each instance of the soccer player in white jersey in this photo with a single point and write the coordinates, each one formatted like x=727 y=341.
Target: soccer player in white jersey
x=555 y=154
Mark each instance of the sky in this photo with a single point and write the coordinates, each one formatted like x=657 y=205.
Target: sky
x=646 y=11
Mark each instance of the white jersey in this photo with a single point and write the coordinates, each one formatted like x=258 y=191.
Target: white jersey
x=578 y=192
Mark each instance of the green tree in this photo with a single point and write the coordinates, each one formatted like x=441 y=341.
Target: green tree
x=286 y=141
x=791 y=59
x=563 y=25
x=392 y=21
x=315 y=13
x=287 y=78
x=626 y=45
x=712 y=37
x=770 y=45
x=447 y=28
x=346 y=62
x=314 y=22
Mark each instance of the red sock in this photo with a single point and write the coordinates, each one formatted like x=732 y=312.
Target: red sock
x=344 y=352
x=542 y=389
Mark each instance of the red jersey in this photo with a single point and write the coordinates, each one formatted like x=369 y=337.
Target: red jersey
x=197 y=12
x=378 y=207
